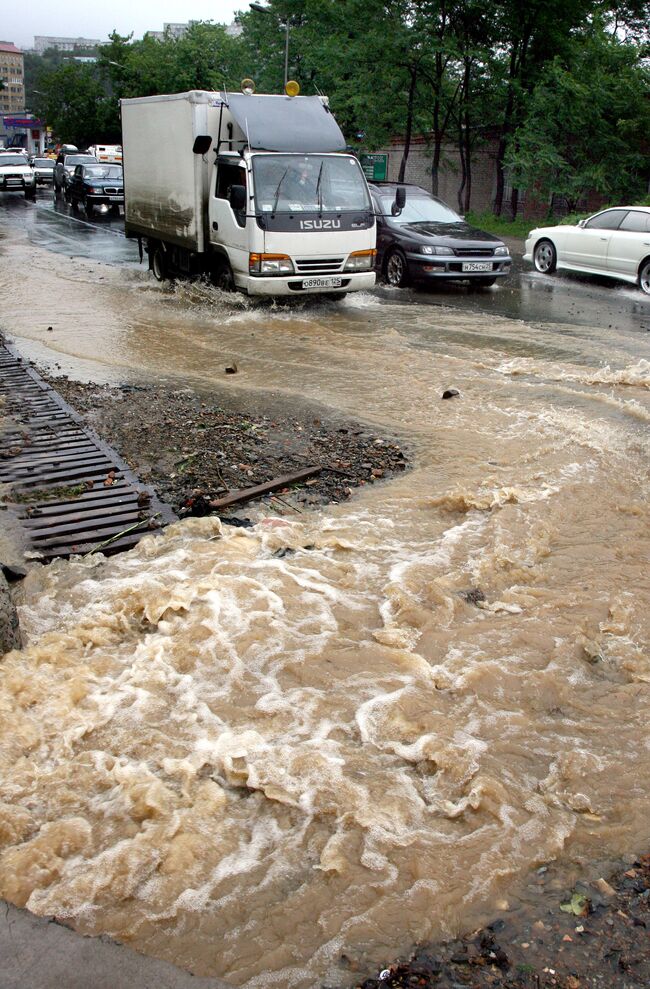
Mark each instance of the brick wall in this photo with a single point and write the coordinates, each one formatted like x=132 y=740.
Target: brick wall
x=532 y=205
x=418 y=171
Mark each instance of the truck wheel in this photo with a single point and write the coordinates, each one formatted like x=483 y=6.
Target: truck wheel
x=223 y=279
x=159 y=264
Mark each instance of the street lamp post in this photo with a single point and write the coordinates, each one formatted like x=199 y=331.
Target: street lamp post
x=265 y=10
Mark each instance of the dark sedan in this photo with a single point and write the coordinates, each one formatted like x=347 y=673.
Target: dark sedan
x=97 y=187
x=419 y=238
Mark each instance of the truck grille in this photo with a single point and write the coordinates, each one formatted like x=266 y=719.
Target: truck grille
x=112 y=191
x=474 y=252
x=319 y=266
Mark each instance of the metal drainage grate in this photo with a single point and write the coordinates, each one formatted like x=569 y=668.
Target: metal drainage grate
x=71 y=491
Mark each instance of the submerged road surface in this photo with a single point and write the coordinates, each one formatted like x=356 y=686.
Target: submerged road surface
x=252 y=765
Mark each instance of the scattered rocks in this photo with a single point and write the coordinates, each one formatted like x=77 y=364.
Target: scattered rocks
x=607 y=949
x=194 y=451
x=231 y=368
x=451 y=393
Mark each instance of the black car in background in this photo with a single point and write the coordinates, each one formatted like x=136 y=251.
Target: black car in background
x=419 y=238
x=97 y=187
x=66 y=163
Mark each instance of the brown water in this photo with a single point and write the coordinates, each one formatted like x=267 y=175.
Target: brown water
x=249 y=765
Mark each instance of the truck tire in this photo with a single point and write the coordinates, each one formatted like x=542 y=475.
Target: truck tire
x=158 y=263
x=222 y=277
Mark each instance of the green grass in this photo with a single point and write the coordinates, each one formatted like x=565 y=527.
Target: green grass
x=500 y=226
x=503 y=227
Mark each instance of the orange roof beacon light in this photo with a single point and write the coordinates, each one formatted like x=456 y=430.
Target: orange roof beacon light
x=292 y=88
x=247 y=87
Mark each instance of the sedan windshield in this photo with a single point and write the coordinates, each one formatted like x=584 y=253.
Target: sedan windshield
x=103 y=172
x=43 y=162
x=420 y=209
x=12 y=160
x=309 y=183
x=78 y=159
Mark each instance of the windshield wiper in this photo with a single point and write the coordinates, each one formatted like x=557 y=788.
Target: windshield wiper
x=319 y=192
x=277 y=191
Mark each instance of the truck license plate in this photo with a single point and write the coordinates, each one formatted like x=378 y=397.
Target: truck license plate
x=321 y=283
x=477 y=266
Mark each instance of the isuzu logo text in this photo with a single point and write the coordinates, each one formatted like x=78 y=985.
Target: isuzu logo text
x=320 y=224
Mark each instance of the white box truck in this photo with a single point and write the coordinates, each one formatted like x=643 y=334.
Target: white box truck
x=253 y=191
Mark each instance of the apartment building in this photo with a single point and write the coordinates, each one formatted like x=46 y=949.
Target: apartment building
x=12 y=94
x=42 y=42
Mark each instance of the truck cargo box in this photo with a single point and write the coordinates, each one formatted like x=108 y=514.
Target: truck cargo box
x=165 y=183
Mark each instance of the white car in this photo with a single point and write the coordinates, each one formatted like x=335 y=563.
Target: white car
x=614 y=242
x=16 y=175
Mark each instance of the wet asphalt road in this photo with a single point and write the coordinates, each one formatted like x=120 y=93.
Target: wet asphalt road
x=587 y=300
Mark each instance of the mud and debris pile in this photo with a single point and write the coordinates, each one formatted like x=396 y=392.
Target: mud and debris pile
x=193 y=451
x=597 y=936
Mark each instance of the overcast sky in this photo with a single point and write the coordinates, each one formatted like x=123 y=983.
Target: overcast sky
x=19 y=22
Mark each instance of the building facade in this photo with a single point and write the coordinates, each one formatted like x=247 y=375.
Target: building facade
x=42 y=42
x=12 y=73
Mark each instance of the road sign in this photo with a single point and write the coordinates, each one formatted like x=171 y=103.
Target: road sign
x=375 y=167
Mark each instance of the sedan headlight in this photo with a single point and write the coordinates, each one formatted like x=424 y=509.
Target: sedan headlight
x=430 y=249
x=98 y=190
x=270 y=264
x=361 y=261
x=502 y=249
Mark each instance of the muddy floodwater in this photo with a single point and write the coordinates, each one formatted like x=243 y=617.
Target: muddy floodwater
x=251 y=764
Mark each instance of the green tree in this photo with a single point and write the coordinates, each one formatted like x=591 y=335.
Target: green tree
x=587 y=123
x=74 y=102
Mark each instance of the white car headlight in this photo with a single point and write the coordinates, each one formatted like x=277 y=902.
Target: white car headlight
x=502 y=249
x=429 y=249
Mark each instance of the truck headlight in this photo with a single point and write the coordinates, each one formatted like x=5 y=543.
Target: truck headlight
x=361 y=260
x=502 y=249
x=270 y=264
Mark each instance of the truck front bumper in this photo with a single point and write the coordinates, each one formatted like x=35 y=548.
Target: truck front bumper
x=294 y=284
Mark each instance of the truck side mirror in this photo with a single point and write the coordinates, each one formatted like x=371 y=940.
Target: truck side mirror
x=400 y=201
x=237 y=197
x=202 y=144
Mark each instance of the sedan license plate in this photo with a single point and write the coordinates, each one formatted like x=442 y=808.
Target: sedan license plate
x=116 y=199
x=477 y=266
x=321 y=282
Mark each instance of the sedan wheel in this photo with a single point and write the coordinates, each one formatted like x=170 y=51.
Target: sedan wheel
x=644 y=277
x=396 y=269
x=545 y=257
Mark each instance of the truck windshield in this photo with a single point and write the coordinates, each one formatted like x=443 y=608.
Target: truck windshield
x=309 y=183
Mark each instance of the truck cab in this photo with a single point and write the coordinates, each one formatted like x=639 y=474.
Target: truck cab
x=292 y=223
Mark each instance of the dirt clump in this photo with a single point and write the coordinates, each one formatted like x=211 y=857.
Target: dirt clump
x=193 y=450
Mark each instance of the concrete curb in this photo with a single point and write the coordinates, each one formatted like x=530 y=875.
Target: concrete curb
x=37 y=953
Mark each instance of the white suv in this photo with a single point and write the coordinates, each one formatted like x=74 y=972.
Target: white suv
x=16 y=175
